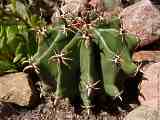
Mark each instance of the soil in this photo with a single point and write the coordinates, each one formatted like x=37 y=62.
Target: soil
x=62 y=111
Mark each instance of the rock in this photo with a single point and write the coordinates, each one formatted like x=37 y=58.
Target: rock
x=142 y=19
x=150 y=87
x=73 y=6
x=95 y=3
x=143 y=113
x=44 y=7
x=107 y=5
x=107 y=8
x=18 y=88
x=70 y=8
x=150 y=56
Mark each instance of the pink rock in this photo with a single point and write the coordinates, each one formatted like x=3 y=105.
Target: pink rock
x=143 y=20
x=150 y=88
x=94 y=2
x=98 y=4
x=106 y=5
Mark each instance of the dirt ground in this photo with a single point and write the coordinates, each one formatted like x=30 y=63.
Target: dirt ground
x=62 y=111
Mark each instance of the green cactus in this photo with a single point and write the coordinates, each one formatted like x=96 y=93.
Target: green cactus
x=115 y=56
x=79 y=56
x=90 y=77
x=68 y=77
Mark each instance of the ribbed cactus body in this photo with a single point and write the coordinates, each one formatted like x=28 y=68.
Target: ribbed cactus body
x=87 y=71
x=82 y=66
x=115 y=58
x=68 y=70
x=82 y=55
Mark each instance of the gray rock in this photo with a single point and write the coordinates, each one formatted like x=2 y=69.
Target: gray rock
x=143 y=113
x=142 y=19
x=17 y=88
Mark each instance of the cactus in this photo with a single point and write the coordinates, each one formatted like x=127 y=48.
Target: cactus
x=114 y=50
x=115 y=56
x=90 y=77
x=82 y=56
x=68 y=77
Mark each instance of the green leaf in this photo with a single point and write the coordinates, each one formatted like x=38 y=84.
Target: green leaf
x=20 y=53
x=6 y=66
x=3 y=37
x=14 y=5
x=19 y=8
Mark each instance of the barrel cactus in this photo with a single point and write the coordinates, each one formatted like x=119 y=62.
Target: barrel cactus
x=83 y=55
x=85 y=60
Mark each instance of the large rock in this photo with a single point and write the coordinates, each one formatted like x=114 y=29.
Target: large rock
x=150 y=87
x=143 y=113
x=18 y=88
x=142 y=19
